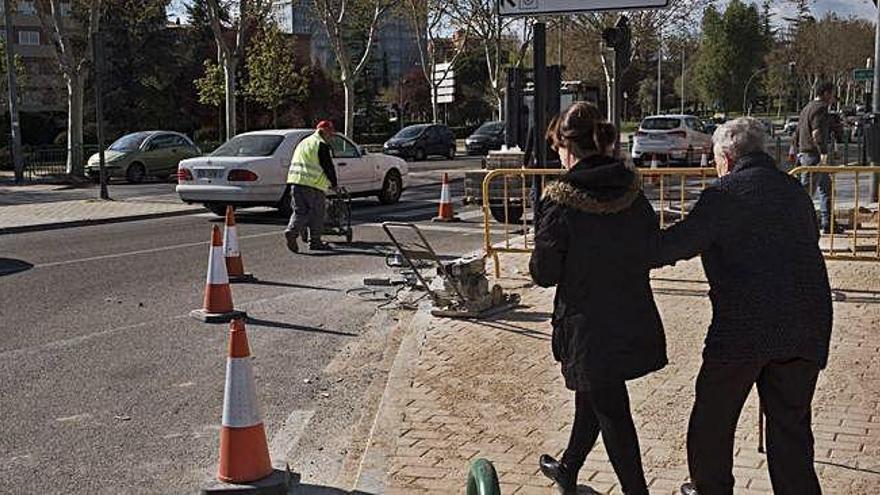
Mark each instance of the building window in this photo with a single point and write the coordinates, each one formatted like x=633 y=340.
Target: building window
x=27 y=8
x=28 y=37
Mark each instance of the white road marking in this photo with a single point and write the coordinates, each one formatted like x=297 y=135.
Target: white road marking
x=284 y=439
x=75 y=417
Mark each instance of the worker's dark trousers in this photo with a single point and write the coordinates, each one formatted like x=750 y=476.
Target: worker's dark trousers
x=785 y=388
x=607 y=410
x=309 y=205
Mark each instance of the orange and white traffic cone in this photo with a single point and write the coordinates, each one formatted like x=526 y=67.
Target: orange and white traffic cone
x=446 y=213
x=218 y=306
x=704 y=160
x=244 y=451
x=792 y=155
x=231 y=252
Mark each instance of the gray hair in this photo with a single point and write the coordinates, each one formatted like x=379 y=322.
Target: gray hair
x=739 y=137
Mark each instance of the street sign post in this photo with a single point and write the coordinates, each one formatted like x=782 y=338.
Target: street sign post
x=543 y=7
x=863 y=75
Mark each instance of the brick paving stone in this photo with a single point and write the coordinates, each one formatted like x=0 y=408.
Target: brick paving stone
x=491 y=389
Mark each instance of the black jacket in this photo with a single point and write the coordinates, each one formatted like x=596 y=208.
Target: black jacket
x=756 y=230
x=594 y=243
x=325 y=156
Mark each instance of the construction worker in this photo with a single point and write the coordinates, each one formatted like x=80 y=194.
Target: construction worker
x=311 y=174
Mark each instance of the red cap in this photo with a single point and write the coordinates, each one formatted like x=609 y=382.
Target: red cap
x=326 y=125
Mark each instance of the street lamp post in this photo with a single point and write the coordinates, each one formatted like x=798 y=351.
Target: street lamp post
x=746 y=91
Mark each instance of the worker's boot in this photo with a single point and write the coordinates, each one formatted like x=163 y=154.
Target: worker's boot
x=320 y=246
x=292 y=245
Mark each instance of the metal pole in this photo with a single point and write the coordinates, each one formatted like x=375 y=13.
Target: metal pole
x=98 y=57
x=875 y=106
x=15 y=125
x=659 y=74
x=746 y=91
x=540 y=110
x=682 y=79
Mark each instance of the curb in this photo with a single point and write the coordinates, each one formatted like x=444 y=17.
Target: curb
x=372 y=475
x=97 y=221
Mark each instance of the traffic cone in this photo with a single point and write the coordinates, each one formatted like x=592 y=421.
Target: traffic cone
x=704 y=160
x=446 y=213
x=218 y=295
x=792 y=154
x=231 y=252
x=654 y=162
x=244 y=451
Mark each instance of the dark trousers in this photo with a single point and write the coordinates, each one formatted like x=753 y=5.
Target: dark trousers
x=785 y=388
x=607 y=410
x=309 y=209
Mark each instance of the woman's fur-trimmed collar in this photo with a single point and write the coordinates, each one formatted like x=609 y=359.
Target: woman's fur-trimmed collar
x=567 y=194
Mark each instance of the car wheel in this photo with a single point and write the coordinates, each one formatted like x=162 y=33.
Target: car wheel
x=451 y=153
x=218 y=209
x=419 y=155
x=135 y=173
x=392 y=188
x=514 y=213
x=285 y=209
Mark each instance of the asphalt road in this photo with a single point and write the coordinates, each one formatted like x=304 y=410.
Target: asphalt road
x=110 y=387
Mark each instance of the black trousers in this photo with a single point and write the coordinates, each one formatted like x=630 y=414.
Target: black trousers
x=785 y=388
x=607 y=410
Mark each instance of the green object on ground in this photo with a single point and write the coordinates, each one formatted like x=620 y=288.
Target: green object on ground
x=482 y=479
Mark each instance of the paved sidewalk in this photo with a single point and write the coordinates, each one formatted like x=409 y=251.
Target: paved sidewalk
x=461 y=390
x=41 y=216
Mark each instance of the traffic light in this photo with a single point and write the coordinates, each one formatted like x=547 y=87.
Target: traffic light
x=619 y=38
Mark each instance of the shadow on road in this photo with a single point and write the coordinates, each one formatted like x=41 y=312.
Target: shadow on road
x=9 y=266
x=299 y=328
x=292 y=286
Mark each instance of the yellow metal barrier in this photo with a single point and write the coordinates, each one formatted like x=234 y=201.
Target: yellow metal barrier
x=855 y=211
x=666 y=188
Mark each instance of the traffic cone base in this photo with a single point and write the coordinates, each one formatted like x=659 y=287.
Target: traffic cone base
x=206 y=317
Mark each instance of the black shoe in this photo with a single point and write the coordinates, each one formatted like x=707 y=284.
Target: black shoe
x=689 y=489
x=292 y=245
x=566 y=481
x=320 y=246
x=837 y=229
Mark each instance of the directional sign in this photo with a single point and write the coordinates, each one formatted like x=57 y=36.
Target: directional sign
x=863 y=75
x=542 y=7
x=445 y=99
x=446 y=90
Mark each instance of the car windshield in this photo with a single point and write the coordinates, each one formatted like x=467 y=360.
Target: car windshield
x=410 y=132
x=250 y=145
x=661 y=124
x=490 y=128
x=793 y=119
x=129 y=142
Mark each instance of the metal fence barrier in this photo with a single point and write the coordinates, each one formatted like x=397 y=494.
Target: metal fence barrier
x=508 y=199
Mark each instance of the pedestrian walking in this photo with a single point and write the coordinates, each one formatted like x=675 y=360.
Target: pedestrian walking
x=813 y=138
x=756 y=230
x=594 y=244
x=310 y=176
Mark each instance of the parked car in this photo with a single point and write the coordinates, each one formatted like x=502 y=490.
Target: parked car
x=251 y=170
x=417 y=142
x=489 y=136
x=791 y=124
x=143 y=154
x=678 y=139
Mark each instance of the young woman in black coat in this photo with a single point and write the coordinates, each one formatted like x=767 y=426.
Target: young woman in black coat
x=594 y=243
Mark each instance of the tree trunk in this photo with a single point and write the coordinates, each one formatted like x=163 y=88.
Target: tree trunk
x=229 y=66
x=434 y=104
x=609 y=90
x=348 y=84
x=75 y=124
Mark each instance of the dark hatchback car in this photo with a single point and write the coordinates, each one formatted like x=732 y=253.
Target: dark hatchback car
x=417 y=142
x=489 y=136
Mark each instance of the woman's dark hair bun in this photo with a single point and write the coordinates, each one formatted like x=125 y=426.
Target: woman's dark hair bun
x=582 y=128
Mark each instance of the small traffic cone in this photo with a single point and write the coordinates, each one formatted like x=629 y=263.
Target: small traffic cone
x=446 y=213
x=231 y=252
x=218 y=295
x=792 y=154
x=704 y=160
x=654 y=162
x=244 y=451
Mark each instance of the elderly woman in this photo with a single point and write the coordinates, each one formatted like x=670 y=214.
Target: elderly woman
x=594 y=243
x=757 y=233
